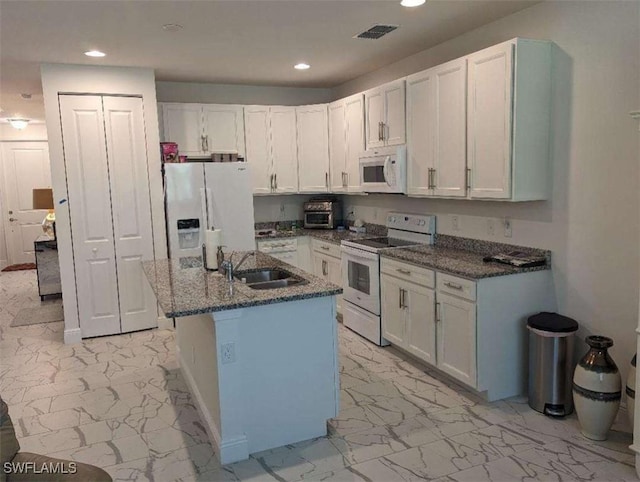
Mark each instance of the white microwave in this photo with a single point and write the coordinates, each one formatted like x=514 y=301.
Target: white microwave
x=384 y=170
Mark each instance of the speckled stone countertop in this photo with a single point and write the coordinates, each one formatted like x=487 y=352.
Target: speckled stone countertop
x=184 y=287
x=330 y=235
x=459 y=262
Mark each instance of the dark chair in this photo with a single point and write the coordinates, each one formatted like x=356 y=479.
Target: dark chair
x=25 y=466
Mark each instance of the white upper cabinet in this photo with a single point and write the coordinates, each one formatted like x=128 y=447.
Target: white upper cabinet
x=436 y=131
x=313 y=148
x=183 y=125
x=202 y=129
x=272 y=150
x=354 y=124
x=223 y=129
x=385 y=115
x=257 y=131
x=337 y=145
x=346 y=143
x=509 y=92
x=284 y=149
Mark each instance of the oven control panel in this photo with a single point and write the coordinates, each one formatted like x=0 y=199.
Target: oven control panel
x=417 y=223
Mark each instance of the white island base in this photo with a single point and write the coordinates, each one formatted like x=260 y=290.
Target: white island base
x=262 y=376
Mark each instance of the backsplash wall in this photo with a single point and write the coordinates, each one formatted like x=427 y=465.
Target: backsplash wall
x=278 y=208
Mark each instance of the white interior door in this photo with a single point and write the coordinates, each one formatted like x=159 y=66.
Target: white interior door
x=90 y=211
x=26 y=167
x=131 y=209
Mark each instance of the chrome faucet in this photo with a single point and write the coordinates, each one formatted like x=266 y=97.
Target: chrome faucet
x=228 y=268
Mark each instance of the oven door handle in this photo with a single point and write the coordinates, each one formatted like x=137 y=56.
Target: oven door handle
x=358 y=253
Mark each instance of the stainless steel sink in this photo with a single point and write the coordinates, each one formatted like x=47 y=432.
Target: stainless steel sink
x=262 y=275
x=268 y=279
x=280 y=283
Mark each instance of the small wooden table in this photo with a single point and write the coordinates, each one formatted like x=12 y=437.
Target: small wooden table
x=47 y=266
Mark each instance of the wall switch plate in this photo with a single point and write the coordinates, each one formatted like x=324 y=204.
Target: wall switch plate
x=455 y=223
x=228 y=353
x=507 y=228
x=491 y=227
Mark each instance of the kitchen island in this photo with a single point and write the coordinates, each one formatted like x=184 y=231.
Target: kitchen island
x=261 y=363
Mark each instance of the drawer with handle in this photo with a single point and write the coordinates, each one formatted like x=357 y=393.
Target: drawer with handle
x=330 y=249
x=405 y=271
x=462 y=288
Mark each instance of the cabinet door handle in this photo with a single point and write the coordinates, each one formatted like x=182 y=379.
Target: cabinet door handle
x=326 y=179
x=469 y=179
x=400 y=298
x=271 y=182
x=404 y=299
x=344 y=179
x=206 y=143
x=454 y=286
x=275 y=180
x=324 y=268
x=437 y=312
x=202 y=144
x=430 y=179
x=403 y=271
x=433 y=178
x=326 y=248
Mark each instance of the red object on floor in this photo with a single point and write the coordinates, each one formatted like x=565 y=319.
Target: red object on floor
x=20 y=267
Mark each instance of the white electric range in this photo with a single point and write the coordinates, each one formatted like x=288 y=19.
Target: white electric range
x=361 y=270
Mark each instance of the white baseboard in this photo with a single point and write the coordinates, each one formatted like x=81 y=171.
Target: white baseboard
x=72 y=335
x=228 y=451
x=165 y=323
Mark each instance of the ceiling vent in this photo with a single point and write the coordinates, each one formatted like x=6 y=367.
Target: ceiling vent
x=377 y=31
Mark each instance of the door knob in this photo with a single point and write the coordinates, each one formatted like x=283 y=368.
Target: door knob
x=95 y=250
x=13 y=219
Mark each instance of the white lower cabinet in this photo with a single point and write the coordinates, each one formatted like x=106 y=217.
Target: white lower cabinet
x=474 y=331
x=456 y=353
x=327 y=264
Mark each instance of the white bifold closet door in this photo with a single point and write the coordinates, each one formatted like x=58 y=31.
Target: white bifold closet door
x=108 y=189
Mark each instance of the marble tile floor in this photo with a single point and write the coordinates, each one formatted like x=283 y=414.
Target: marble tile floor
x=120 y=402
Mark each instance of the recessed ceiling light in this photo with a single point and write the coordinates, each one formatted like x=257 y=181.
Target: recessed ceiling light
x=412 y=3
x=18 y=123
x=94 y=53
x=302 y=66
x=172 y=27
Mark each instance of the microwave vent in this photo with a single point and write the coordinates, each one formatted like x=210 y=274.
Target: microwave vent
x=377 y=31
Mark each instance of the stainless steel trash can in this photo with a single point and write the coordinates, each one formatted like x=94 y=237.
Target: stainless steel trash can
x=551 y=340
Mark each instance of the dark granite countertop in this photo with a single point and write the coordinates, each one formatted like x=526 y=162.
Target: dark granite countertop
x=184 y=287
x=459 y=262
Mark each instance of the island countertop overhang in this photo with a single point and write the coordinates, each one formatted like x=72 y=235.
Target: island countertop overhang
x=183 y=287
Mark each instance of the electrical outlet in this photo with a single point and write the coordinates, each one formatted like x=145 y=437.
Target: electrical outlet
x=455 y=223
x=507 y=228
x=228 y=353
x=491 y=227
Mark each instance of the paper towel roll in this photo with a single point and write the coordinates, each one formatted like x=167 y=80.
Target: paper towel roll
x=212 y=239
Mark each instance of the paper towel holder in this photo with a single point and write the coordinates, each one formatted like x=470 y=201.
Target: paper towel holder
x=204 y=259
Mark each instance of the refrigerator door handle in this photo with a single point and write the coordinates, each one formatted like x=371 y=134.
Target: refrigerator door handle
x=203 y=207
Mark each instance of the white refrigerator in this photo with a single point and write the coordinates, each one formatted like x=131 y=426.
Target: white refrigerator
x=208 y=195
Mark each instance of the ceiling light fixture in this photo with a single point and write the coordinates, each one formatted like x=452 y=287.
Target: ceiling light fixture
x=302 y=66
x=18 y=123
x=412 y=3
x=94 y=53
x=172 y=27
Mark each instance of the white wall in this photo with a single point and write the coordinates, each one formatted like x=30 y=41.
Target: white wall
x=57 y=78
x=591 y=222
x=239 y=94
x=279 y=208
